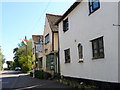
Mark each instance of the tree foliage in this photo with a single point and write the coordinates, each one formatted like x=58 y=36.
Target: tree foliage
x=20 y=56
x=2 y=59
x=10 y=65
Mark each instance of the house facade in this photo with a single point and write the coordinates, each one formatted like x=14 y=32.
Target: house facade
x=48 y=59
x=89 y=39
x=37 y=49
x=51 y=56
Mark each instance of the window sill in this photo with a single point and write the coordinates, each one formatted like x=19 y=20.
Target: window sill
x=98 y=58
x=93 y=11
x=46 y=43
x=67 y=62
x=65 y=30
x=81 y=61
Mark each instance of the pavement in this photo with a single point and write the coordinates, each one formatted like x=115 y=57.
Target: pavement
x=20 y=81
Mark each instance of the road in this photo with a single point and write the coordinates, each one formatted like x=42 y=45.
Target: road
x=19 y=81
x=9 y=78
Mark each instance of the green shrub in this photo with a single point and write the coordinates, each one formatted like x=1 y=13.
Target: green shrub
x=38 y=74
x=41 y=74
x=46 y=75
x=65 y=81
x=74 y=84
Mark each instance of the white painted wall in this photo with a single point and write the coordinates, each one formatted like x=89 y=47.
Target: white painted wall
x=84 y=28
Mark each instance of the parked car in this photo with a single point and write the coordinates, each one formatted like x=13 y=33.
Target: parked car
x=17 y=69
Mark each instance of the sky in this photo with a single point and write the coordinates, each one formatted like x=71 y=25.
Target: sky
x=20 y=19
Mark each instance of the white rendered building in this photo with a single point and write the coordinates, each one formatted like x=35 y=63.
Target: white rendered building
x=89 y=36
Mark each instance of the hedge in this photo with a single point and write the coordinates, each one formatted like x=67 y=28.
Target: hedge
x=41 y=74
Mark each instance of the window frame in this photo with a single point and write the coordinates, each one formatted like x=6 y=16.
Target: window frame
x=80 y=51
x=67 y=55
x=49 y=59
x=47 y=38
x=97 y=49
x=91 y=6
x=65 y=25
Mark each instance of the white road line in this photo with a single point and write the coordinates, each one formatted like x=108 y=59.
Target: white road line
x=30 y=87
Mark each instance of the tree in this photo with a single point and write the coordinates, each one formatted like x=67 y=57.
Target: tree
x=2 y=59
x=10 y=65
x=20 y=59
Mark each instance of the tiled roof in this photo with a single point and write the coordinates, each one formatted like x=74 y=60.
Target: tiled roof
x=52 y=19
x=37 y=35
x=37 y=38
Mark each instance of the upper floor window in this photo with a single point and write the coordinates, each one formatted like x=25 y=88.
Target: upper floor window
x=65 y=25
x=93 y=5
x=98 y=48
x=47 y=38
x=67 y=55
x=80 y=51
x=33 y=50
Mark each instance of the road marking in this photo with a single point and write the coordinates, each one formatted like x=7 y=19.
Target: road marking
x=30 y=87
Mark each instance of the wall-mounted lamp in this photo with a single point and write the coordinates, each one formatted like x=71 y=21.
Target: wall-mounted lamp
x=116 y=25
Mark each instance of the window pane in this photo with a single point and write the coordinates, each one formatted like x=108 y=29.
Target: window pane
x=33 y=50
x=90 y=2
x=96 y=5
x=40 y=62
x=80 y=51
x=93 y=5
x=49 y=62
x=95 y=53
x=91 y=9
x=98 y=48
x=95 y=44
x=101 y=52
x=47 y=38
x=100 y=43
x=67 y=56
x=65 y=25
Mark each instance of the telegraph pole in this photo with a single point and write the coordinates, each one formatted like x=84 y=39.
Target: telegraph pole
x=26 y=50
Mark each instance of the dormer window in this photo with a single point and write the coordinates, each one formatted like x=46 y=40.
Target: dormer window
x=93 y=5
x=65 y=25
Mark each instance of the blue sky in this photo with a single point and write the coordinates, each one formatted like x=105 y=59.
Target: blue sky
x=25 y=18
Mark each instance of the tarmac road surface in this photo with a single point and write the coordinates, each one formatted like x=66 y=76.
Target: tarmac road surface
x=19 y=81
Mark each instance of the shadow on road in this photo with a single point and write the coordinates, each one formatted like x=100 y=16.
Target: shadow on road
x=26 y=82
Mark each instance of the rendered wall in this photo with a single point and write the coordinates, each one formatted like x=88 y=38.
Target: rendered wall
x=82 y=29
x=119 y=42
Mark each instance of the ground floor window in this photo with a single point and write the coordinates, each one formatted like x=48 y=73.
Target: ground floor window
x=98 y=48
x=50 y=62
x=80 y=51
x=40 y=62
x=67 y=55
